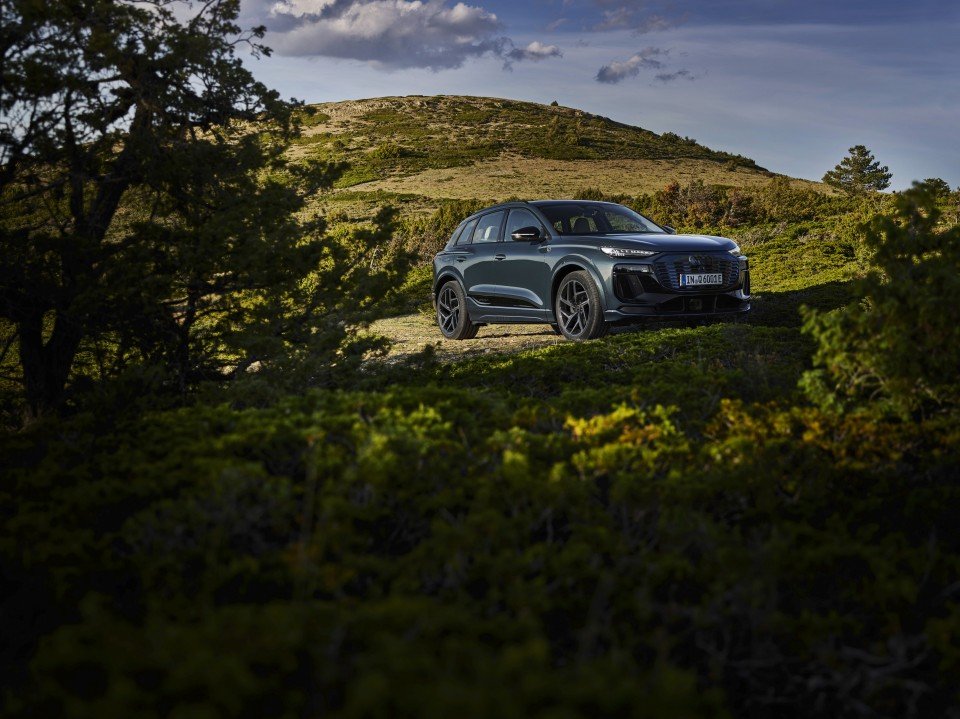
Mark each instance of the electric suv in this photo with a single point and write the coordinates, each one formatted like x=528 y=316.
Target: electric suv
x=581 y=266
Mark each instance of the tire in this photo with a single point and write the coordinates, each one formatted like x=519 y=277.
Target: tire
x=556 y=328
x=578 y=308
x=452 y=317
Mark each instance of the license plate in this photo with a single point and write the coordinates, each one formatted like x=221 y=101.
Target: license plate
x=710 y=278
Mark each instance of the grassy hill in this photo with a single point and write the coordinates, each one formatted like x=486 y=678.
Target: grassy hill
x=415 y=149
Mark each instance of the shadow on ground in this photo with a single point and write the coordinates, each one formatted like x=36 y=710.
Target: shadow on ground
x=782 y=309
x=414 y=333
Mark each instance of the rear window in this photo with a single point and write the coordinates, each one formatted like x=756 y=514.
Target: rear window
x=467 y=234
x=456 y=234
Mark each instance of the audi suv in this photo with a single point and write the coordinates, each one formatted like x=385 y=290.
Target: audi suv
x=581 y=266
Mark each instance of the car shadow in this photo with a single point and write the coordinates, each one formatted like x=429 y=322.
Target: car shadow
x=782 y=309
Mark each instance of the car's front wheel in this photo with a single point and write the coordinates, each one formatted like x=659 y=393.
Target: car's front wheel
x=452 y=314
x=578 y=309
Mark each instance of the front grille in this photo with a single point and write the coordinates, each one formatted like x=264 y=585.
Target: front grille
x=668 y=270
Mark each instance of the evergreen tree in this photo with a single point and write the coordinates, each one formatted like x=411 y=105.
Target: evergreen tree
x=859 y=173
x=938 y=188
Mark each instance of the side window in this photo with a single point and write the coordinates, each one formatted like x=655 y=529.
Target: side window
x=520 y=218
x=488 y=229
x=467 y=233
x=455 y=237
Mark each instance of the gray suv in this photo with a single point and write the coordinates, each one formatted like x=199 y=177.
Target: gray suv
x=581 y=266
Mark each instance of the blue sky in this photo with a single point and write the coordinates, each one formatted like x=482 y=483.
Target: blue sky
x=790 y=84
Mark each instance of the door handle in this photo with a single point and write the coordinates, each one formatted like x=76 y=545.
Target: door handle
x=499 y=257
x=461 y=259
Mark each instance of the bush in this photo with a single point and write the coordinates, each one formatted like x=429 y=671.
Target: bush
x=900 y=343
x=432 y=551
x=425 y=236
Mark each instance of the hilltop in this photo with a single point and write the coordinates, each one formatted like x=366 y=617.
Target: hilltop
x=473 y=147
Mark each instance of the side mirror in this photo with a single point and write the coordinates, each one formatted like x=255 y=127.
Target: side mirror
x=669 y=229
x=528 y=234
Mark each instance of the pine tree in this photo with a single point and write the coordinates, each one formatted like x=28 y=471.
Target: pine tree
x=859 y=173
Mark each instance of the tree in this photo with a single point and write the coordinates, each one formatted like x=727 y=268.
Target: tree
x=859 y=173
x=938 y=188
x=148 y=215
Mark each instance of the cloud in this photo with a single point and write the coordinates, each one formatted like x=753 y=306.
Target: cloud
x=632 y=15
x=671 y=76
x=620 y=70
x=535 y=52
x=555 y=25
x=391 y=34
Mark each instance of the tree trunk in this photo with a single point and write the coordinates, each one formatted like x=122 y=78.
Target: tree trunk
x=46 y=365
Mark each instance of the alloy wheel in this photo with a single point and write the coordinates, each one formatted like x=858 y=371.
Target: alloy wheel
x=448 y=310
x=574 y=308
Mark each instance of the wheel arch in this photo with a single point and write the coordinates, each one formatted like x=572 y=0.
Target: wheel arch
x=444 y=278
x=564 y=268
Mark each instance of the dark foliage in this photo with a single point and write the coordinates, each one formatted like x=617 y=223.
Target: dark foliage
x=429 y=551
x=151 y=225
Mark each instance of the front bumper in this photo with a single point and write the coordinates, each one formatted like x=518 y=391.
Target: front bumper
x=652 y=290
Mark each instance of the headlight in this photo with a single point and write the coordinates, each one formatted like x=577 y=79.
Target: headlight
x=735 y=251
x=621 y=252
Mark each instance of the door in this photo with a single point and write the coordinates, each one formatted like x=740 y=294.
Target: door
x=480 y=271
x=525 y=270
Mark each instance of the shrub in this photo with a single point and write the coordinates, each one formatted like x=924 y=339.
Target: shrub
x=425 y=236
x=901 y=342
x=428 y=551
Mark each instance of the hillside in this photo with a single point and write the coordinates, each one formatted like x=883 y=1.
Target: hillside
x=473 y=147
x=692 y=519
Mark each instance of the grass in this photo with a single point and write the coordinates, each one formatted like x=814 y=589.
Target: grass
x=401 y=136
x=511 y=175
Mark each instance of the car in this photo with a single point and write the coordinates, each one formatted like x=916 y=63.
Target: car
x=581 y=266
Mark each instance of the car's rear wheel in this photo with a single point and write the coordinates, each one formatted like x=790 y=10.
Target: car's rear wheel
x=578 y=309
x=452 y=314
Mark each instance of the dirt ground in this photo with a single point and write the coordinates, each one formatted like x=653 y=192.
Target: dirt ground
x=411 y=333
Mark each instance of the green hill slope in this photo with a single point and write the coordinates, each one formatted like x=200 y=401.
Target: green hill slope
x=458 y=147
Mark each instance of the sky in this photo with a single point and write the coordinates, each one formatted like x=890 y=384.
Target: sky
x=791 y=84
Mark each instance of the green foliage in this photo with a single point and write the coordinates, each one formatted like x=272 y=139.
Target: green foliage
x=424 y=236
x=938 y=188
x=900 y=343
x=699 y=206
x=656 y=525
x=105 y=102
x=428 y=550
x=176 y=248
x=437 y=132
x=859 y=173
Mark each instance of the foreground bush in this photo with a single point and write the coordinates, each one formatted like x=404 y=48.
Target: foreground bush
x=434 y=552
x=899 y=344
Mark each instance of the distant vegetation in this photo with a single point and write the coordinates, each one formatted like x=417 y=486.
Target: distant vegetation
x=235 y=505
x=411 y=134
x=859 y=173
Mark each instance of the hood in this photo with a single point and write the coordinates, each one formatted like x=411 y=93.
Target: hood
x=662 y=242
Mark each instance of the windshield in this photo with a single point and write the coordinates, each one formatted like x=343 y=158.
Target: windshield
x=596 y=218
